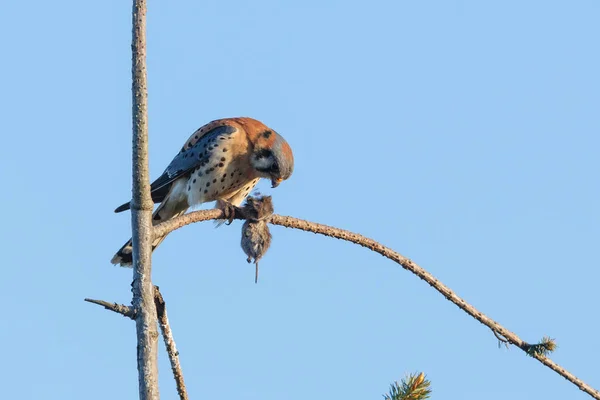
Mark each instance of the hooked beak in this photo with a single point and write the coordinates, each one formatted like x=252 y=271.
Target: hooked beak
x=276 y=182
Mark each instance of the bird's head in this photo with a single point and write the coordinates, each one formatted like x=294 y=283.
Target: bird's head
x=272 y=157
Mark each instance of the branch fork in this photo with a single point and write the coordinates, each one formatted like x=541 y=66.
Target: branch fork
x=163 y=322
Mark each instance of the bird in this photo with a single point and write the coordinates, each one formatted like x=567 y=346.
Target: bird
x=222 y=161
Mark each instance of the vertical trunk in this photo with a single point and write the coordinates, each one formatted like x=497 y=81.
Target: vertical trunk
x=141 y=216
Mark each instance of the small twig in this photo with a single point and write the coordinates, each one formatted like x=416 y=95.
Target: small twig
x=165 y=328
x=122 y=309
x=501 y=339
x=295 y=223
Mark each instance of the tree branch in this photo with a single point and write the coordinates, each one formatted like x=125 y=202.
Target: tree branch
x=295 y=223
x=170 y=225
x=141 y=215
x=161 y=311
x=163 y=321
x=122 y=309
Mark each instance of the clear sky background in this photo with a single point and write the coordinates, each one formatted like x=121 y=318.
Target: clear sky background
x=464 y=134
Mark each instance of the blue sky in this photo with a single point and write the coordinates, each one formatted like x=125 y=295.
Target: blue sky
x=463 y=134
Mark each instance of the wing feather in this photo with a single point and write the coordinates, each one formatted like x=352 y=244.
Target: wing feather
x=195 y=153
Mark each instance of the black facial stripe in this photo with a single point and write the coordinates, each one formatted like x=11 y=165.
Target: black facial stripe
x=263 y=153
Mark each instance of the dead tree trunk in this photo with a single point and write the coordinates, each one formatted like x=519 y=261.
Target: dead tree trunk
x=141 y=216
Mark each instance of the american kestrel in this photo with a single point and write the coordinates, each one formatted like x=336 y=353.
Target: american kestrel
x=222 y=161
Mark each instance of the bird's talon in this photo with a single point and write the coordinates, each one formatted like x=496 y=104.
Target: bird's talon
x=229 y=211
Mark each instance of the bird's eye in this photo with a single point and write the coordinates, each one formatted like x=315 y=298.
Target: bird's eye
x=266 y=134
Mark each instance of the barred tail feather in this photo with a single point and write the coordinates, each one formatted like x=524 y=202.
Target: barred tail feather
x=173 y=206
x=124 y=257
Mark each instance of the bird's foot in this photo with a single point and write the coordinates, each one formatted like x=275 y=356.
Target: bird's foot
x=229 y=211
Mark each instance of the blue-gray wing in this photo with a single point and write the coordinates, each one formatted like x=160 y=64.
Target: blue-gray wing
x=197 y=152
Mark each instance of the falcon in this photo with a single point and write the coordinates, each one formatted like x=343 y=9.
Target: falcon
x=222 y=161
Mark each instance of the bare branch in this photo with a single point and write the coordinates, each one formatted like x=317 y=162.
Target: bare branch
x=295 y=223
x=170 y=225
x=163 y=321
x=141 y=215
x=122 y=309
